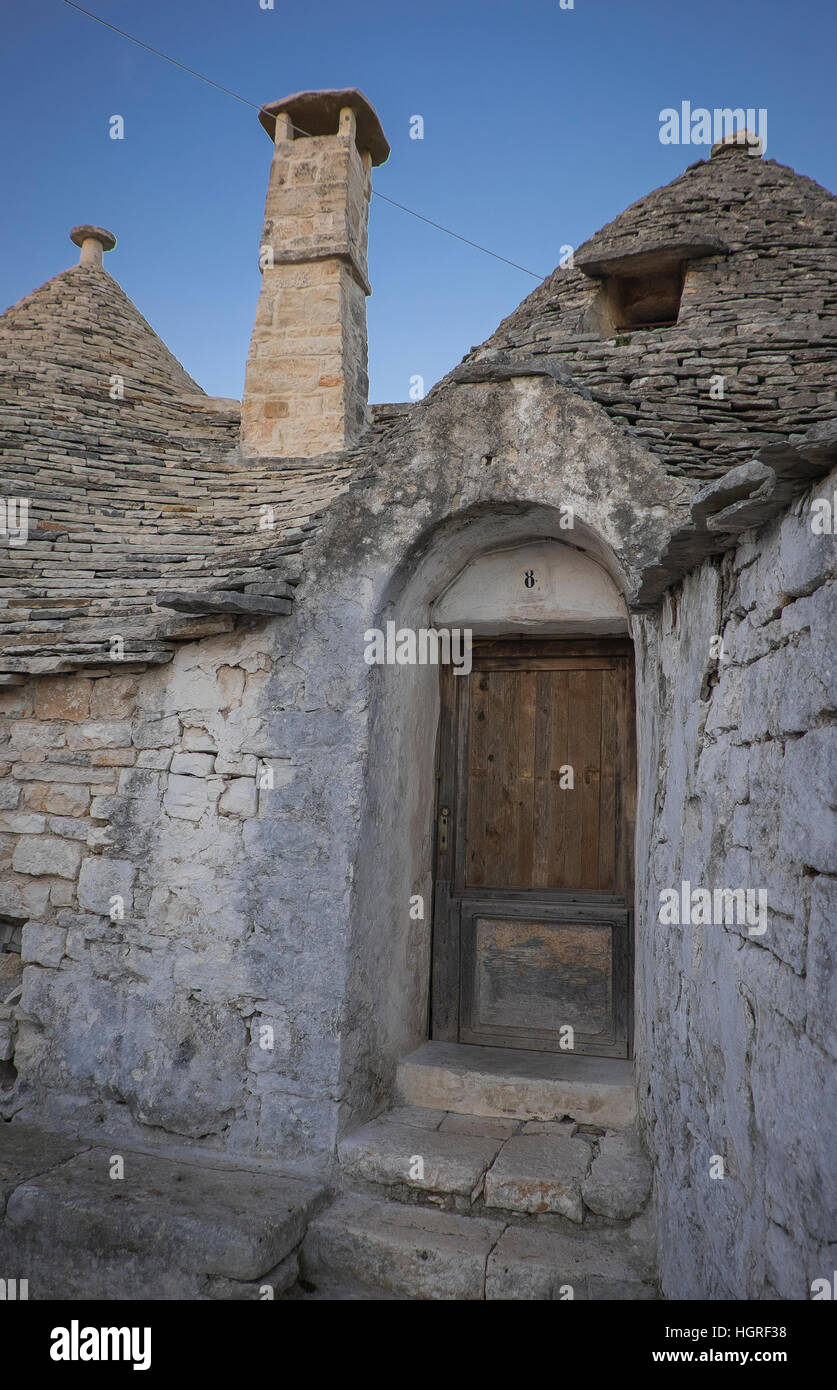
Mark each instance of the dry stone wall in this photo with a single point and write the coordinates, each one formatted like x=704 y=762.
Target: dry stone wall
x=736 y=1028
x=149 y=838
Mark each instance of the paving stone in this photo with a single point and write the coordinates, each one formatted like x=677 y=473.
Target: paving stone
x=565 y=1128
x=432 y=1160
x=26 y=1151
x=406 y=1250
x=619 y=1182
x=413 y=1115
x=272 y=1285
x=538 y=1173
x=533 y=1263
x=486 y=1126
x=208 y=1220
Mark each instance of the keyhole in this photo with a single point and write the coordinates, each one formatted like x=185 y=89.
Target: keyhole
x=529 y=579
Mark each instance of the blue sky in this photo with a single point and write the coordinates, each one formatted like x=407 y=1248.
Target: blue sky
x=540 y=125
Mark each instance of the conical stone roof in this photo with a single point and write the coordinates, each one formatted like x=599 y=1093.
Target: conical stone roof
x=759 y=310
x=82 y=321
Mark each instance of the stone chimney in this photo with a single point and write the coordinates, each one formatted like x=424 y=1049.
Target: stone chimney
x=306 y=387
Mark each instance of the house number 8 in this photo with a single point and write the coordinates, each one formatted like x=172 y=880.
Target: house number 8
x=529 y=579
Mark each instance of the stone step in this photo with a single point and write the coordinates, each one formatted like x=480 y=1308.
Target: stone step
x=405 y=1155
x=512 y=1083
x=539 y=1173
x=365 y=1244
x=205 y=1228
x=531 y=1167
x=410 y=1251
x=533 y=1262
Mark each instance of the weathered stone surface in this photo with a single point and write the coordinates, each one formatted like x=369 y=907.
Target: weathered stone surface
x=537 y=1173
x=518 y=1084
x=483 y=1126
x=415 y=1116
x=430 y=1160
x=240 y=798
x=186 y=798
x=269 y=1286
x=222 y=601
x=619 y=1182
x=808 y=812
x=406 y=1250
x=22 y=823
x=564 y=1128
x=220 y=1221
x=43 y=944
x=59 y=799
x=740 y=797
x=157 y=733
x=534 y=1264
x=821 y=967
x=26 y=1151
x=101 y=879
x=46 y=854
x=57 y=699
x=193 y=764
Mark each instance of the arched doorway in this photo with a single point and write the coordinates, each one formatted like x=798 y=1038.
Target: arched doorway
x=536 y=778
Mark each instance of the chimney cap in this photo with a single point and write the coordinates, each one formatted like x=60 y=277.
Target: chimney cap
x=318 y=113
x=79 y=235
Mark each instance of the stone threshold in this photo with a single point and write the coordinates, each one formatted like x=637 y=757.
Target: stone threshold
x=515 y=1084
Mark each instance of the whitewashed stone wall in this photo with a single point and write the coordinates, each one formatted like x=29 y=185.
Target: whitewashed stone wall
x=146 y=787
x=737 y=1033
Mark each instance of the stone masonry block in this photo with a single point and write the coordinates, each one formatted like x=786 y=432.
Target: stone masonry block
x=47 y=854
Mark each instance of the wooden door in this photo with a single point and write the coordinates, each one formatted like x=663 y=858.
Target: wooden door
x=535 y=823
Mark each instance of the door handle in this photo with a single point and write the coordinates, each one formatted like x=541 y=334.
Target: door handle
x=444 y=814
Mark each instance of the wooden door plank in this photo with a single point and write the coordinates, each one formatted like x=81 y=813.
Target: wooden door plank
x=525 y=787
x=542 y=810
x=477 y=775
x=591 y=743
x=611 y=772
x=505 y=762
x=560 y=798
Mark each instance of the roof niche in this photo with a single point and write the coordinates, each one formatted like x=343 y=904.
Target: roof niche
x=643 y=288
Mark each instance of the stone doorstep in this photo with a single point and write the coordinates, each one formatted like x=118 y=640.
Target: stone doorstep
x=539 y=1173
x=410 y=1251
x=453 y=1159
x=166 y=1221
x=432 y=1161
x=364 y=1243
x=512 y=1083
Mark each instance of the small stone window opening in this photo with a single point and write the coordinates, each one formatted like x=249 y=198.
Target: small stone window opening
x=11 y=978
x=11 y=936
x=11 y=967
x=650 y=300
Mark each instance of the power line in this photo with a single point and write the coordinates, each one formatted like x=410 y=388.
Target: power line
x=467 y=241
x=256 y=107
x=158 y=54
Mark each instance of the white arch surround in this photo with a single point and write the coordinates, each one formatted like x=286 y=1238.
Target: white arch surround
x=538 y=588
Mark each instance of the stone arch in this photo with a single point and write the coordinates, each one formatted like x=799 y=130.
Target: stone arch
x=389 y=966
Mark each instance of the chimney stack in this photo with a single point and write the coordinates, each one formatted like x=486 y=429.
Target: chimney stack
x=306 y=387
